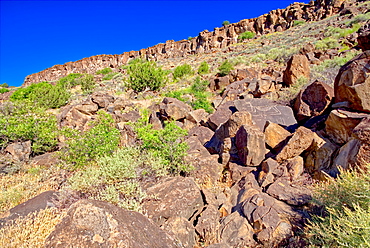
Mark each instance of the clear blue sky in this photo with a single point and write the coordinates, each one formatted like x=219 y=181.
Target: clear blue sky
x=35 y=35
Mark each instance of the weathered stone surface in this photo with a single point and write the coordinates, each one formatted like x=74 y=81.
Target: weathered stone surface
x=363 y=38
x=128 y=136
x=238 y=172
x=313 y=100
x=276 y=136
x=46 y=159
x=174 y=109
x=362 y=133
x=208 y=226
x=155 y=121
x=340 y=124
x=219 y=83
x=347 y=154
x=352 y=83
x=236 y=231
x=295 y=167
x=173 y=197
x=198 y=116
x=182 y=230
x=92 y=223
x=269 y=170
x=102 y=99
x=283 y=190
x=19 y=150
x=298 y=66
x=219 y=245
x=298 y=143
x=250 y=142
x=221 y=115
x=203 y=134
x=263 y=110
x=130 y=116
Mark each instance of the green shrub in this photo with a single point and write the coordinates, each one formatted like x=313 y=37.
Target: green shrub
x=201 y=102
x=199 y=86
x=22 y=121
x=327 y=43
x=145 y=75
x=282 y=54
x=43 y=95
x=203 y=68
x=110 y=76
x=87 y=83
x=346 y=221
x=225 y=68
x=83 y=148
x=4 y=85
x=167 y=144
x=358 y=18
x=246 y=35
x=335 y=62
x=182 y=70
x=104 y=71
x=298 y=22
x=225 y=23
x=190 y=38
x=3 y=90
x=70 y=80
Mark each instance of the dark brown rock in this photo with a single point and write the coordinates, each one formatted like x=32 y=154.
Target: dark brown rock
x=313 y=100
x=102 y=99
x=208 y=225
x=47 y=159
x=298 y=143
x=363 y=38
x=298 y=66
x=203 y=134
x=19 y=150
x=182 y=230
x=263 y=110
x=92 y=223
x=174 y=109
x=173 y=197
x=250 y=142
x=276 y=136
x=352 y=83
x=221 y=115
x=220 y=83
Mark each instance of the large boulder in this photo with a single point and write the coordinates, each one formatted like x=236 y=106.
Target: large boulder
x=250 y=142
x=91 y=223
x=173 y=197
x=362 y=133
x=363 y=38
x=313 y=100
x=276 y=136
x=263 y=110
x=208 y=225
x=298 y=66
x=20 y=151
x=102 y=99
x=352 y=83
x=221 y=115
x=174 y=109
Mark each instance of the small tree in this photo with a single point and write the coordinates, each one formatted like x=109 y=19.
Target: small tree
x=182 y=70
x=246 y=35
x=225 y=23
x=203 y=68
x=225 y=68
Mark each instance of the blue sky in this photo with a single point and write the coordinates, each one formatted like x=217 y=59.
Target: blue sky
x=35 y=35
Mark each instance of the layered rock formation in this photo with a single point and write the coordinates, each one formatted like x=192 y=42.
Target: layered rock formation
x=206 y=42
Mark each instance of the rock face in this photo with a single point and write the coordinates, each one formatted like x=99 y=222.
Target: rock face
x=263 y=110
x=92 y=223
x=298 y=66
x=313 y=100
x=364 y=37
x=20 y=150
x=206 y=42
x=352 y=83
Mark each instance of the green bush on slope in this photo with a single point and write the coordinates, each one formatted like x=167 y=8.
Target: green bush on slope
x=203 y=68
x=347 y=219
x=182 y=70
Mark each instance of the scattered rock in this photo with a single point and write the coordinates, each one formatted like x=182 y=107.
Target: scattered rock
x=91 y=223
x=221 y=115
x=101 y=99
x=208 y=225
x=20 y=151
x=173 y=109
x=364 y=36
x=182 y=230
x=298 y=66
x=276 y=136
x=203 y=134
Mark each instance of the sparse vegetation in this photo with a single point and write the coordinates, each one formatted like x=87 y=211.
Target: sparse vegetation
x=3 y=90
x=182 y=71
x=346 y=221
x=144 y=75
x=246 y=35
x=203 y=68
x=104 y=71
x=225 y=68
x=298 y=22
x=327 y=43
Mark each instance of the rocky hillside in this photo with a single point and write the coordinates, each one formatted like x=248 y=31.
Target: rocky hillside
x=253 y=135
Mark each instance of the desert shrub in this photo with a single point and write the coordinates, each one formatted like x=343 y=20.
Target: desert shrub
x=225 y=23
x=144 y=75
x=86 y=147
x=282 y=54
x=326 y=43
x=225 y=68
x=336 y=62
x=31 y=230
x=167 y=144
x=203 y=68
x=87 y=83
x=4 y=85
x=358 y=18
x=346 y=220
x=43 y=94
x=110 y=76
x=337 y=33
x=257 y=58
x=202 y=102
x=246 y=35
x=104 y=71
x=178 y=94
x=70 y=80
x=199 y=85
x=22 y=122
x=298 y=22
x=190 y=38
x=182 y=70
x=3 y=90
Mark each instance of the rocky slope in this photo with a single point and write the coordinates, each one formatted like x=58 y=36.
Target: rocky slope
x=254 y=159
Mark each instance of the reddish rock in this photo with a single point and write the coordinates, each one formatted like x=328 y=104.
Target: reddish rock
x=204 y=134
x=276 y=136
x=313 y=100
x=352 y=83
x=298 y=66
x=363 y=38
x=221 y=115
x=174 y=109
x=19 y=150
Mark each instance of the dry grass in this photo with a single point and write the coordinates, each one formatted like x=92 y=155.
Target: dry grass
x=25 y=184
x=32 y=230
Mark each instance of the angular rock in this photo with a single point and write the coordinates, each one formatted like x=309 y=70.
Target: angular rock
x=283 y=190
x=220 y=83
x=91 y=223
x=298 y=66
x=173 y=197
x=276 y=136
x=208 y=226
x=174 y=109
x=352 y=83
x=198 y=116
x=236 y=231
x=46 y=159
x=263 y=110
x=182 y=230
x=203 y=134
x=313 y=100
x=298 y=143
x=347 y=154
x=19 y=150
x=235 y=90
x=250 y=142
x=362 y=133
x=221 y=115
x=295 y=167
x=269 y=170
x=363 y=38
x=130 y=116
x=102 y=99
x=340 y=124
x=155 y=121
